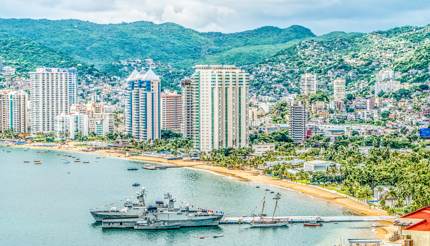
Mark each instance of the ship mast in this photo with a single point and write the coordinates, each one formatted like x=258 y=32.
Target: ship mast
x=276 y=198
x=264 y=204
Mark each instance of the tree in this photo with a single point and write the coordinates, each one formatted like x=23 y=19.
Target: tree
x=280 y=112
x=169 y=134
x=385 y=114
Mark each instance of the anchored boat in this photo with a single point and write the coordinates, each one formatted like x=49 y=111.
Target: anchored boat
x=129 y=211
x=165 y=216
x=267 y=222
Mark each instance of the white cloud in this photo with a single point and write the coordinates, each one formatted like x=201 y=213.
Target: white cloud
x=232 y=15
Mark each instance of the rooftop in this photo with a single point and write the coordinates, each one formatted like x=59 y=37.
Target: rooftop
x=150 y=76
x=424 y=215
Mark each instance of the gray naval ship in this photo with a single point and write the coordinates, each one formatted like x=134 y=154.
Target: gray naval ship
x=164 y=215
x=131 y=210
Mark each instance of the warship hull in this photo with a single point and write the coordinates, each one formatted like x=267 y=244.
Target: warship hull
x=109 y=215
x=163 y=224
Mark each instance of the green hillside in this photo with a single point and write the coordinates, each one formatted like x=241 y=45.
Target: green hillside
x=101 y=44
x=276 y=57
x=26 y=55
x=355 y=56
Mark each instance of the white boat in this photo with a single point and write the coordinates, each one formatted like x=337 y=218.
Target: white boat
x=268 y=224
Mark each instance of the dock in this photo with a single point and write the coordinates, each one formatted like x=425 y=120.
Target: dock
x=308 y=219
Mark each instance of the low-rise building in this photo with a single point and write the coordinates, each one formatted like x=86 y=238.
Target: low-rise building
x=71 y=125
x=415 y=227
x=260 y=149
x=319 y=166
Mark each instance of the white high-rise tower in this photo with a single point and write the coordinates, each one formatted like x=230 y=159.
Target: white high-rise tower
x=53 y=91
x=216 y=99
x=142 y=112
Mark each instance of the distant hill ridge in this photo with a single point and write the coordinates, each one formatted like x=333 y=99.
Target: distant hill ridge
x=275 y=56
x=102 y=43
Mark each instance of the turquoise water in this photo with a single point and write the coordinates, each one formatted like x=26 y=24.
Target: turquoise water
x=49 y=204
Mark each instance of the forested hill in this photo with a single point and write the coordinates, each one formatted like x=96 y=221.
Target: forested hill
x=354 y=56
x=276 y=57
x=101 y=44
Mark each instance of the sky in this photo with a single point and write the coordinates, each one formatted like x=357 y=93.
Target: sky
x=321 y=16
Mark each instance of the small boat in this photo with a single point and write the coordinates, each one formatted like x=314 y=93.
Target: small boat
x=312 y=224
x=257 y=187
x=26 y=161
x=269 y=224
x=132 y=169
x=86 y=162
x=149 y=167
x=37 y=162
x=135 y=184
x=218 y=236
x=77 y=161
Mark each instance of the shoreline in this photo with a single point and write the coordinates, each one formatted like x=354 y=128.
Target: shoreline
x=350 y=204
x=354 y=206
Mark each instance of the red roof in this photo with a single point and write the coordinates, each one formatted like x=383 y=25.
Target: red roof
x=423 y=225
x=424 y=215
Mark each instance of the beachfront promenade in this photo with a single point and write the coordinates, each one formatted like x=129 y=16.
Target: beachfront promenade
x=308 y=219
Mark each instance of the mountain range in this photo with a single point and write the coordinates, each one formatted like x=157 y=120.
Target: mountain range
x=276 y=57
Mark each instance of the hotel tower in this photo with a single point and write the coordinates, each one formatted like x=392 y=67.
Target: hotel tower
x=13 y=111
x=142 y=112
x=53 y=91
x=215 y=104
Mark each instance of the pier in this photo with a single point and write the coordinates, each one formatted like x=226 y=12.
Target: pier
x=308 y=219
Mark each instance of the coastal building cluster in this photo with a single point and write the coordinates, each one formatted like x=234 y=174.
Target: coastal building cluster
x=214 y=110
x=213 y=107
x=392 y=107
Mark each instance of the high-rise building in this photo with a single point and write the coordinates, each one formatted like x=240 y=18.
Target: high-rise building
x=339 y=89
x=142 y=112
x=171 y=111
x=188 y=92
x=308 y=84
x=53 y=91
x=13 y=111
x=216 y=101
x=298 y=118
x=339 y=94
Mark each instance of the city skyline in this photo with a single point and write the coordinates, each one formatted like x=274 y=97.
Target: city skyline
x=320 y=17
